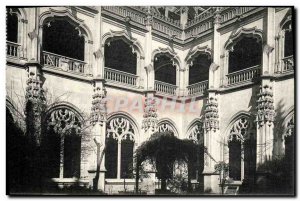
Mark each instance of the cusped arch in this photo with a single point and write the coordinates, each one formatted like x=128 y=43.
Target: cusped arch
x=286 y=19
x=68 y=15
x=123 y=35
x=197 y=51
x=168 y=52
x=243 y=32
x=166 y=124
x=22 y=14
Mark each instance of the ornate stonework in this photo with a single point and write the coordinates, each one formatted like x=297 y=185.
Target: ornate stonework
x=211 y=121
x=150 y=115
x=241 y=130
x=290 y=127
x=99 y=110
x=197 y=133
x=120 y=128
x=35 y=103
x=64 y=121
x=265 y=106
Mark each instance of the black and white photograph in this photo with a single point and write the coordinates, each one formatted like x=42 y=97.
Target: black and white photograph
x=152 y=100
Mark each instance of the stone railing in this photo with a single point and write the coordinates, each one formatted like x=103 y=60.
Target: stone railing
x=197 y=88
x=12 y=49
x=287 y=63
x=200 y=18
x=135 y=15
x=63 y=63
x=231 y=12
x=167 y=20
x=243 y=75
x=120 y=76
x=198 y=28
x=165 y=88
x=166 y=28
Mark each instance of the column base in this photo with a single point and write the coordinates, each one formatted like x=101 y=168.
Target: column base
x=97 y=179
x=211 y=183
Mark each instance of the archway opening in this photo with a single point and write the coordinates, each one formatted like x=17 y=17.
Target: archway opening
x=63 y=38
x=199 y=70
x=165 y=70
x=288 y=39
x=235 y=158
x=246 y=53
x=119 y=55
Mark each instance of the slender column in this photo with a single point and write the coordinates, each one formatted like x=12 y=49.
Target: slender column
x=212 y=144
x=149 y=82
x=119 y=159
x=61 y=165
x=215 y=73
x=98 y=120
x=35 y=33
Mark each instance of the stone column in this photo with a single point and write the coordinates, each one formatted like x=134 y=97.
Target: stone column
x=98 y=120
x=212 y=143
x=214 y=74
x=265 y=101
x=35 y=102
x=34 y=109
x=149 y=81
x=265 y=123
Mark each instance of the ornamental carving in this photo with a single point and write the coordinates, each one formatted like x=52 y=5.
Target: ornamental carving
x=211 y=121
x=290 y=127
x=99 y=110
x=150 y=115
x=64 y=121
x=166 y=126
x=197 y=133
x=241 y=130
x=120 y=128
x=265 y=106
x=35 y=103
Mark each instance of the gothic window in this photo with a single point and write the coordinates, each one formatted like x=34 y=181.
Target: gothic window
x=120 y=55
x=245 y=53
x=120 y=138
x=61 y=144
x=165 y=70
x=288 y=39
x=63 y=38
x=199 y=69
x=195 y=166
x=242 y=149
